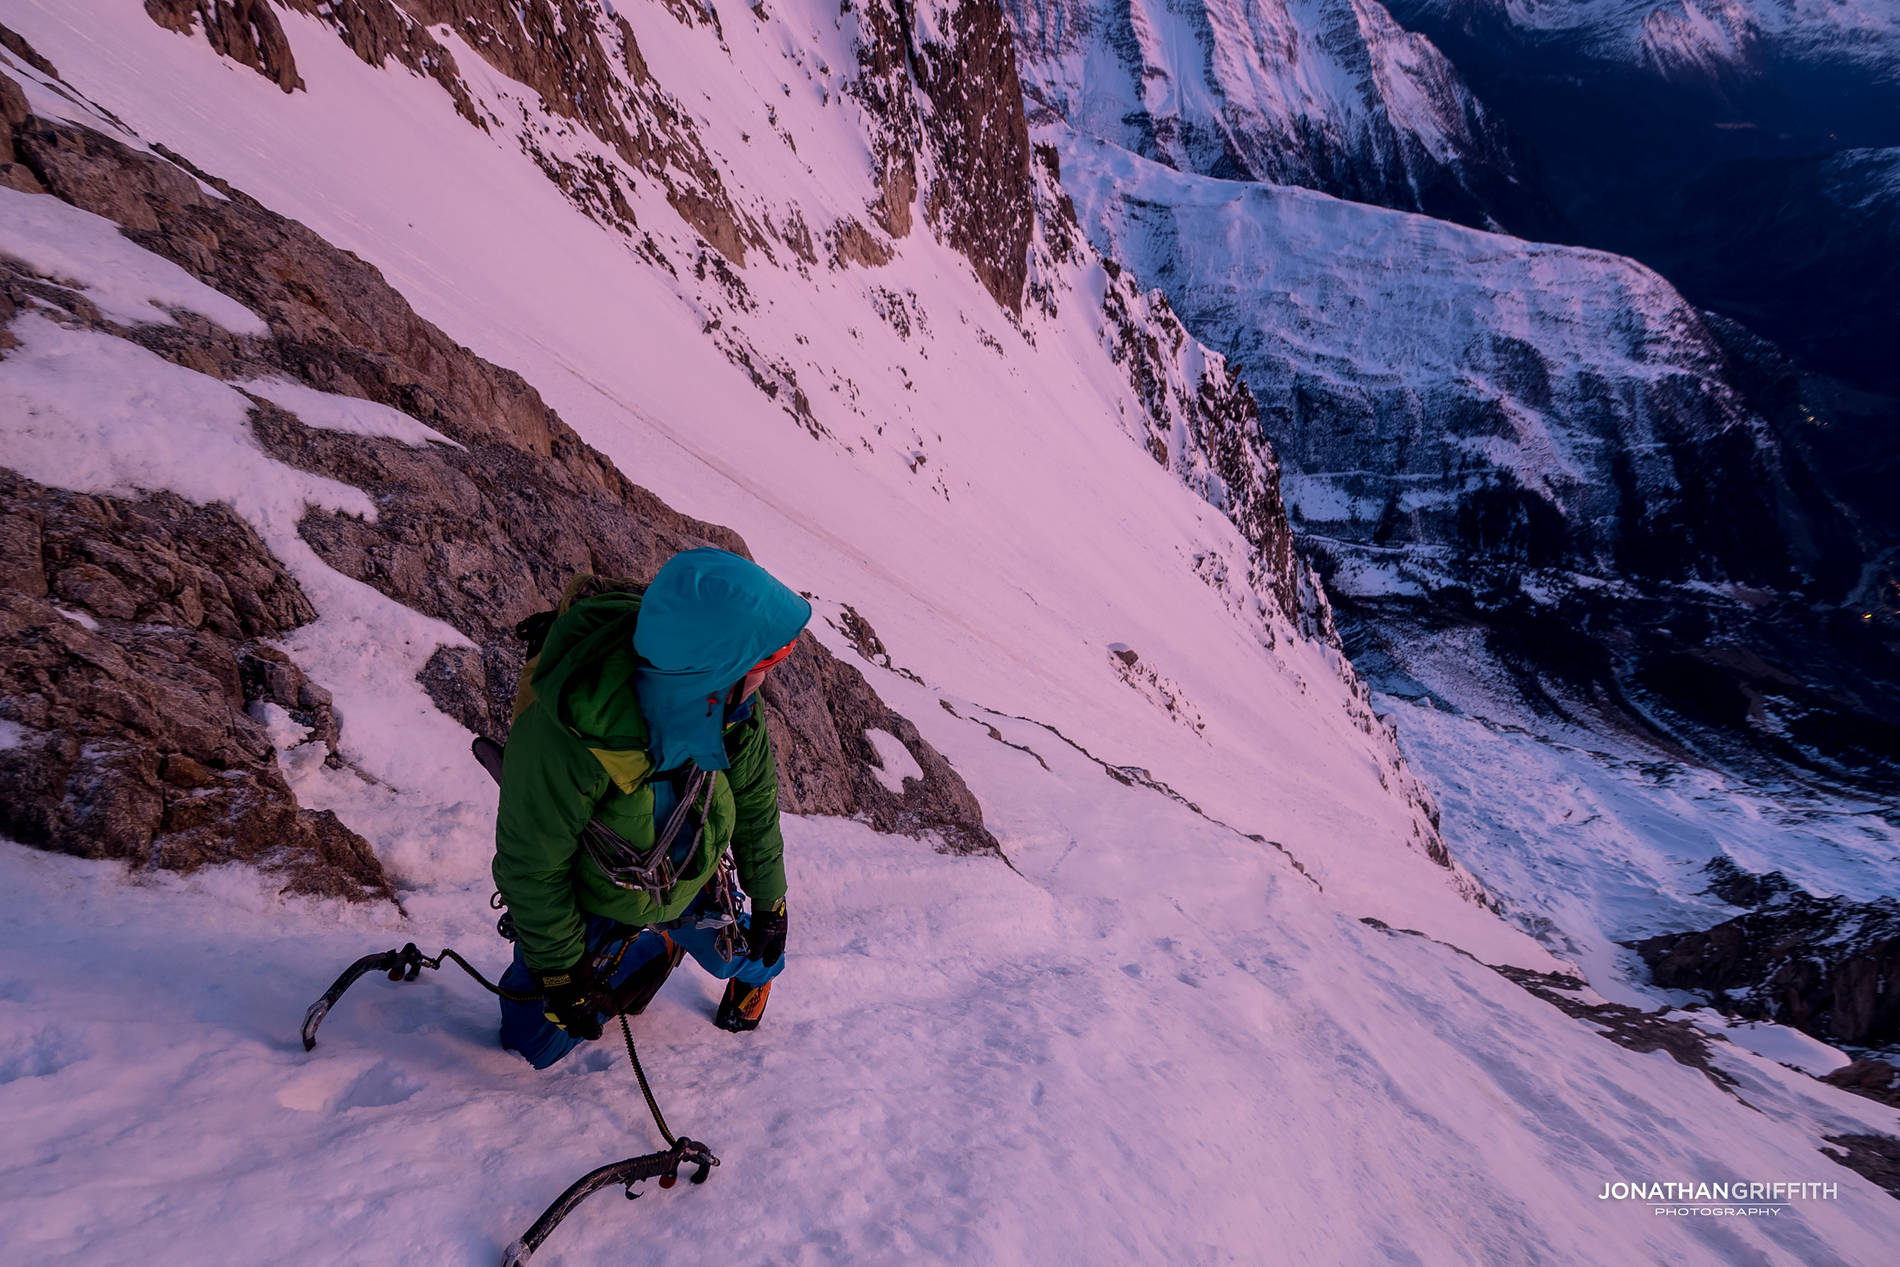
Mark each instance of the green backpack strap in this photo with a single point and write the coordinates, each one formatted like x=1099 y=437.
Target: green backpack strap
x=533 y=629
x=628 y=769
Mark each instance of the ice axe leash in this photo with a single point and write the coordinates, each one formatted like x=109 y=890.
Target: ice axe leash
x=407 y=964
x=664 y=1166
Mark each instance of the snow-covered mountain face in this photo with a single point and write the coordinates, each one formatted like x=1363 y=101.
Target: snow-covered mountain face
x=840 y=294
x=1532 y=471
x=1687 y=39
x=1688 y=135
x=1327 y=94
x=1541 y=484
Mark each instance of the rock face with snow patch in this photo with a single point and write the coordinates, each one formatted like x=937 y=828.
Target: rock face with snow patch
x=1827 y=966
x=1333 y=96
x=133 y=688
x=434 y=546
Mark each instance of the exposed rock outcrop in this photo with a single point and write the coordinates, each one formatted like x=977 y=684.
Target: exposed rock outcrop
x=1873 y=1157
x=938 y=79
x=136 y=666
x=1875 y=1079
x=1827 y=966
x=978 y=197
x=246 y=31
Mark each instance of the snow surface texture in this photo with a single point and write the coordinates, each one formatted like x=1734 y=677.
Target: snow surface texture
x=1156 y=1040
x=1156 y=1044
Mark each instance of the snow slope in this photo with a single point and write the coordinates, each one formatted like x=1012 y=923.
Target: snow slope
x=1156 y=1043
x=920 y=467
x=1156 y=1037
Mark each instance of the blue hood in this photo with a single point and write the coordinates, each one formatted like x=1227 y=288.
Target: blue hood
x=708 y=617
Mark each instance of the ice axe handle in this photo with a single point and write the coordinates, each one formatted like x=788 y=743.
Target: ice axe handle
x=387 y=961
x=662 y=1166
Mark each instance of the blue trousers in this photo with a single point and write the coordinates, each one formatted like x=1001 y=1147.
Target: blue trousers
x=525 y=1028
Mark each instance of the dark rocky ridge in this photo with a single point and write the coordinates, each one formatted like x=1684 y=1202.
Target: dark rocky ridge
x=969 y=151
x=1827 y=966
x=477 y=537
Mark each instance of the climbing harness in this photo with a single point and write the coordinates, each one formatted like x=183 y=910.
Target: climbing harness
x=653 y=871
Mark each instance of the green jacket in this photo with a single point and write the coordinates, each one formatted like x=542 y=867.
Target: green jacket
x=582 y=748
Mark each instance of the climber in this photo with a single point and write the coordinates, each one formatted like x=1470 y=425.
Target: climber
x=639 y=755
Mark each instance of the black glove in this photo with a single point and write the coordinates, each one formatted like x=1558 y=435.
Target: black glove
x=765 y=935
x=572 y=1000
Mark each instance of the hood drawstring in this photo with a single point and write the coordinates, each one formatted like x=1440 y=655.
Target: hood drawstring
x=712 y=702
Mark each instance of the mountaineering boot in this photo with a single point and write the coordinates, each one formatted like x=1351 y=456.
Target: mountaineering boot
x=742 y=1007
